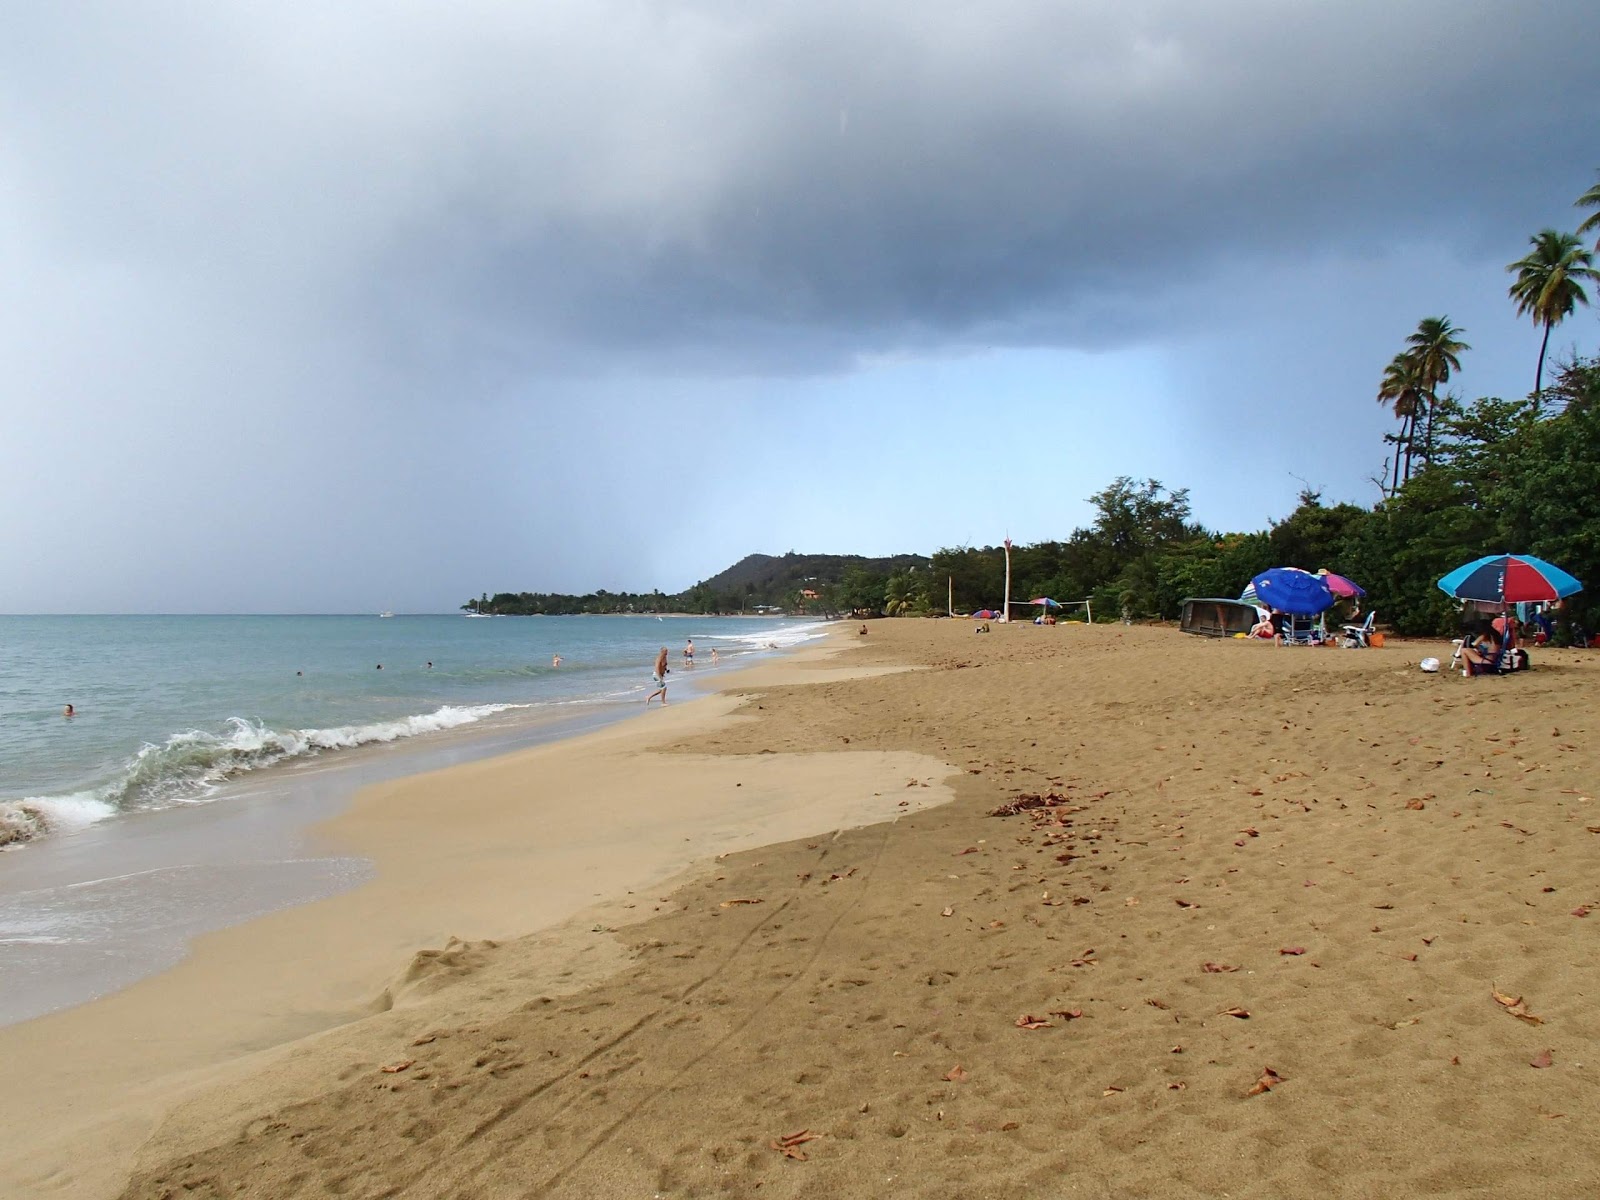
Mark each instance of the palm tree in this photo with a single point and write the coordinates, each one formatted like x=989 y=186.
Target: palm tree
x=1402 y=388
x=1590 y=199
x=1549 y=285
x=1435 y=352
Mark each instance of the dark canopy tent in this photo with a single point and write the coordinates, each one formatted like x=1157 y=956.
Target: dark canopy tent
x=1216 y=617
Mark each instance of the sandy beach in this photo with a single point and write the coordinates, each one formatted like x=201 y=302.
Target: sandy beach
x=1256 y=922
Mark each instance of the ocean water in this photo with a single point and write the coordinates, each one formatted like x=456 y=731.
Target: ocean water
x=179 y=797
x=170 y=709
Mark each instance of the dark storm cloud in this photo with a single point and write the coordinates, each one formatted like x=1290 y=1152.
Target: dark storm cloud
x=778 y=185
x=793 y=185
x=286 y=290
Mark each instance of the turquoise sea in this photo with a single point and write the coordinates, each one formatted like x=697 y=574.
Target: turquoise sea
x=170 y=708
x=179 y=797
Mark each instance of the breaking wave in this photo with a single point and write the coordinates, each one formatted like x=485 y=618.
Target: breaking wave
x=189 y=768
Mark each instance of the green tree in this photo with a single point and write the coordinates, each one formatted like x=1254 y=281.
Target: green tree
x=1549 y=286
x=1401 y=388
x=1435 y=349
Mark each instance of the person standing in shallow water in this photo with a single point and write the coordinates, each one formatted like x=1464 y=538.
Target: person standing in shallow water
x=659 y=679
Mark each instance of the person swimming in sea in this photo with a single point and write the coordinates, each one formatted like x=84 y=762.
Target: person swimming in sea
x=69 y=711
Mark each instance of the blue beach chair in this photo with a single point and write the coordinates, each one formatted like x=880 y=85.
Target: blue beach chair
x=1300 y=631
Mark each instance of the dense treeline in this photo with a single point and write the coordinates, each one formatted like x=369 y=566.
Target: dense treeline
x=1498 y=476
x=1502 y=475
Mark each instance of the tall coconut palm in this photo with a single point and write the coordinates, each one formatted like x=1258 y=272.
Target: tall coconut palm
x=1549 y=285
x=1402 y=389
x=1591 y=223
x=1435 y=351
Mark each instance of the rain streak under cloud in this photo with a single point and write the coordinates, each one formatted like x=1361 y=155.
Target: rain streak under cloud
x=379 y=306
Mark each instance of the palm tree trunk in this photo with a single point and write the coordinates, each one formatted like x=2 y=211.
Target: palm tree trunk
x=1399 y=443
x=1427 y=437
x=1538 y=375
x=1410 y=432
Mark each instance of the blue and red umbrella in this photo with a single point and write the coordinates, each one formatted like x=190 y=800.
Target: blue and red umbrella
x=1507 y=579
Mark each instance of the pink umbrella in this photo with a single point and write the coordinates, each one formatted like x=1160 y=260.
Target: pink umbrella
x=1340 y=586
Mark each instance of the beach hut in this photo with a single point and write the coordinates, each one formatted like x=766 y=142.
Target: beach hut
x=1215 y=617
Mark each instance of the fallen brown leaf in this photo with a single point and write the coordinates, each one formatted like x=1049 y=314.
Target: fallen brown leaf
x=1111 y=1091
x=394 y=1068
x=1216 y=968
x=1542 y=1059
x=1153 y=1003
x=955 y=1074
x=741 y=900
x=1177 y=1086
x=1242 y=1013
x=947 y=911
x=1067 y=1014
x=1029 y=1021
x=1415 y=805
x=1269 y=1079
x=1291 y=950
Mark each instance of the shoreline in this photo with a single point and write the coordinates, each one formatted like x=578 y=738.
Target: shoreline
x=315 y=968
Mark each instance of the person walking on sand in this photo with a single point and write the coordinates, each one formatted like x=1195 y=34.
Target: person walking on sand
x=659 y=679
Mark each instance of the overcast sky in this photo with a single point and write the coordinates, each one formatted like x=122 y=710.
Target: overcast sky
x=377 y=306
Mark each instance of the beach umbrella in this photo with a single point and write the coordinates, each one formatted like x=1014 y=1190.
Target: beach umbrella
x=1340 y=586
x=985 y=614
x=1291 y=590
x=1508 y=578
x=1046 y=601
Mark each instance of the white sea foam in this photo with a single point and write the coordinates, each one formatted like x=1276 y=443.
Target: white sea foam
x=189 y=767
x=25 y=819
x=782 y=636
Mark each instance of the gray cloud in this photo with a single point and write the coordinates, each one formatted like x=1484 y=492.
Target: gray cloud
x=258 y=264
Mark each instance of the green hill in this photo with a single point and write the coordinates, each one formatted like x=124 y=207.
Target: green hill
x=768 y=579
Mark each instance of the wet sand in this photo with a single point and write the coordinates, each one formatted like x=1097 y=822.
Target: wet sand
x=1252 y=930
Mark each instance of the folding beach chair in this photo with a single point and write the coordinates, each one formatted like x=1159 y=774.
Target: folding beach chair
x=1356 y=637
x=1301 y=631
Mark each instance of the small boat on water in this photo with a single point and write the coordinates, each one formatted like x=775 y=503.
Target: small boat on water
x=479 y=614
x=386 y=614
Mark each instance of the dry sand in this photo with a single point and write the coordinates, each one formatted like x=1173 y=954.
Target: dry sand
x=1307 y=868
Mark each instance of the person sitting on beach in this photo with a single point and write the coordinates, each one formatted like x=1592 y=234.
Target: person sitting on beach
x=863 y=631
x=659 y=679
x=1263 y=628
x=1480 y=654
